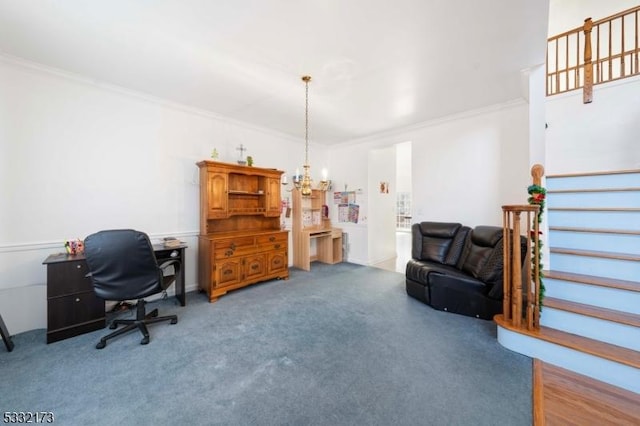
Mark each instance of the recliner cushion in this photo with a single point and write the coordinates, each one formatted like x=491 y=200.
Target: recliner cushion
x=457 y=246
x=480 y=247
x=432 y=240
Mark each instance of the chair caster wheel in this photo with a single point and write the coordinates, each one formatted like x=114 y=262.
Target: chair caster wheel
x=145 y=341
x=174 y=321
x=154 y=313
x=101 y=344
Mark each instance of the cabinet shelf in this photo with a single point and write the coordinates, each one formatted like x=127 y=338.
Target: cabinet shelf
x=247 y=211
x=237 y=192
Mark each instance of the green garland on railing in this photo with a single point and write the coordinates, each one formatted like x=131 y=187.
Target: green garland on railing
x=537 y=195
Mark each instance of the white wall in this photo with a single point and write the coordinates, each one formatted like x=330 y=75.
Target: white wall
x=382 y=205
x=599 y=136
x=77 y=157
x=403 y=167
x=464 y=168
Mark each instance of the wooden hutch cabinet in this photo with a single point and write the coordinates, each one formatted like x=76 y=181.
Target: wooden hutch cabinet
x=240 y=240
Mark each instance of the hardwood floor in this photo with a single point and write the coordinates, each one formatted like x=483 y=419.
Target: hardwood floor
x=403 y=250
x=561 y=397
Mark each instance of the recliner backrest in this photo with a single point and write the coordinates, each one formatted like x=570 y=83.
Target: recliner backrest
x=434 y=241
x=123 y=265
x=482 y=257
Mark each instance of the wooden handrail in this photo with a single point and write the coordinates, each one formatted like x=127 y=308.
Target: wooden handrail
x=616 y=57
x=521 y=289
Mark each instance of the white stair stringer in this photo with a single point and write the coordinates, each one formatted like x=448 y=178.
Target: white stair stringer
x=604 y=370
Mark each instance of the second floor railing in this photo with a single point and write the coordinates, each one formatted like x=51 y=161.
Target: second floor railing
x=596 y=52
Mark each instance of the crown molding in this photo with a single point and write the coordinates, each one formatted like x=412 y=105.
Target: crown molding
x=401 y=132
x=80 y=79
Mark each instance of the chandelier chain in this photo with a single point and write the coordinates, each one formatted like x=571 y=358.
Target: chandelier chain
x=306 y=119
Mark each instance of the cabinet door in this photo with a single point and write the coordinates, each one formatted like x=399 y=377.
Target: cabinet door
x=273 y=197
x=254 y=267
x=276 y=262
x=228 y=272
x=217 y=188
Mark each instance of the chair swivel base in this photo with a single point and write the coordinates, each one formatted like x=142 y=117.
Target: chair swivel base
x=141 y=321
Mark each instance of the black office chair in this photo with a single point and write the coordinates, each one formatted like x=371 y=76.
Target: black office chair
x=123 y=266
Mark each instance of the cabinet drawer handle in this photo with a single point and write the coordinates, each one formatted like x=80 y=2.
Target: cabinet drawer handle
x=228 y=253
x=272 y=239
x=233 y=246
x=276 y=246
x=227 y=272
x=254 y=266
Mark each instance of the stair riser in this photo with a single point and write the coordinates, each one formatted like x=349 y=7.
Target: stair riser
x=608 y=268
x=624 y=180
x=610 y=298
x=598 y=368
x=628 y=199
x=588 y=219
x=593 y=328
x=618 y=243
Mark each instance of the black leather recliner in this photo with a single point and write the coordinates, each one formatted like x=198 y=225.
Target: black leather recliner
x=457 y=269
x=123 y=266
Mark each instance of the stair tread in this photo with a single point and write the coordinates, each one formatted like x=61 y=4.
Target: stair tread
x=579 y=343
x=596 y=230
x=599 y=173
x=596 y=253
x=562 y=396
x=595 y=209
x=593 y=311
x=593 y=280
x=570 y=191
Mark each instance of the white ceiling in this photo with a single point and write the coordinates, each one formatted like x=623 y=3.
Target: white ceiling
x=377 y=65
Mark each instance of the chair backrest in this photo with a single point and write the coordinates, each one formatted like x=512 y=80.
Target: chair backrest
x=122 y=264
x=440 y=242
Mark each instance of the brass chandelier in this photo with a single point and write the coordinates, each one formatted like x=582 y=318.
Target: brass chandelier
x=304 y=183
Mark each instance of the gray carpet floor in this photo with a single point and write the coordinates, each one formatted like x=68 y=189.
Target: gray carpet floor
x=340 y=345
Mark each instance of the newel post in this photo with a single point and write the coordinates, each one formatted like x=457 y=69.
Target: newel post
x=521 y=271
x=587 y=90
x=537 y=171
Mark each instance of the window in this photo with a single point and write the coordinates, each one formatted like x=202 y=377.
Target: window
x=403 y=210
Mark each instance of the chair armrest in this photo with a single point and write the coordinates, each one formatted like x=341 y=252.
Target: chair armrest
x=175 y=262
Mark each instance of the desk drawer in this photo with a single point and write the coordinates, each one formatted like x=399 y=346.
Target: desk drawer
x=73 y=310
x=67 y=277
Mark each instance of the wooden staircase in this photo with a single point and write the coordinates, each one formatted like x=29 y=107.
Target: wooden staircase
x=590 y=320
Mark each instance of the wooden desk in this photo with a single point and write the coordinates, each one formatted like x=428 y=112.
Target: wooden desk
x=72 y=306
x=328 y=247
